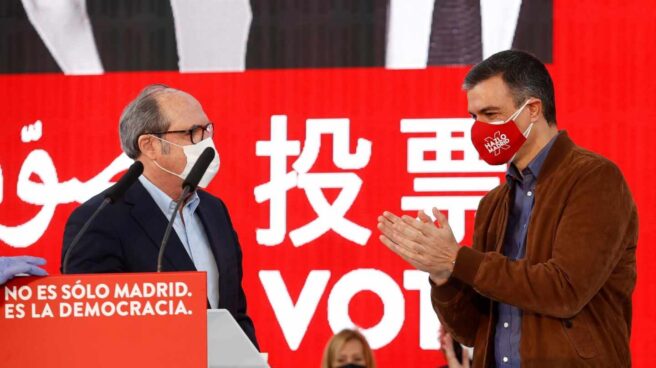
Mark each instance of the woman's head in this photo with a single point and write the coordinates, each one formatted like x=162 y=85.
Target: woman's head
x=348 y=347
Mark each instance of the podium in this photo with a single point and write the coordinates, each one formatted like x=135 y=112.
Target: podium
x=118 y=320
x=227 y=345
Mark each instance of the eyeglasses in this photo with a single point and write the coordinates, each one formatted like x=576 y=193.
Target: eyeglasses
x=196 y=133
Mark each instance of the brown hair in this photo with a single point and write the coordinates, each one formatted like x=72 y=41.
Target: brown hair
x=336 y=343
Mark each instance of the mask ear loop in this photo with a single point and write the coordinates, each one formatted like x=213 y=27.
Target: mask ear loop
x=525 y=133
x=160 y=166
x=167 y=170
x=164 y=140
x=519 y=111
x=530 y=126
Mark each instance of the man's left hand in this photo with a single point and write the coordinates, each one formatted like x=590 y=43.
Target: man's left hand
x=426 y=246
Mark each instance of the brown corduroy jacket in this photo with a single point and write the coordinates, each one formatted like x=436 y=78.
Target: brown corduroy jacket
x=575 y=283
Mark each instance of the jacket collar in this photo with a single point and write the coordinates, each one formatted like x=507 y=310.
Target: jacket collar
x=210 y=217
x=534 y=166
x=206 y=212
x=559 y=151
x=151 y=219
x=557 y=154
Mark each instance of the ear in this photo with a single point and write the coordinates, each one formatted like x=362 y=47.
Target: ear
x=148 y=146
x=535 y=109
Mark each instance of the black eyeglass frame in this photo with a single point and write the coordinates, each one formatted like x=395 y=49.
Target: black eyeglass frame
x=207 y=128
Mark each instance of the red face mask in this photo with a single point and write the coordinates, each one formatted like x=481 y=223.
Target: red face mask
x=498 y=142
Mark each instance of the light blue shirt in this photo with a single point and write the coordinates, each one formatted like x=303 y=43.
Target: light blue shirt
x=190 y=231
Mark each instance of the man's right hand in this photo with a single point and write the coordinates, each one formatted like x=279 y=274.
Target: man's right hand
x=439 y=278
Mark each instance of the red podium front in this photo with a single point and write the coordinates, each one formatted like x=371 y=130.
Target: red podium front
x=105 y=320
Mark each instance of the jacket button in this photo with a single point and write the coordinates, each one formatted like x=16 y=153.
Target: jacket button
x=568 y=323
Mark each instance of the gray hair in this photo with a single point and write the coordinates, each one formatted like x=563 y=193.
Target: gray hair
x=141 y=116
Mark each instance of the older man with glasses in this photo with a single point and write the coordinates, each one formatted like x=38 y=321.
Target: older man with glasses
x=166 y=129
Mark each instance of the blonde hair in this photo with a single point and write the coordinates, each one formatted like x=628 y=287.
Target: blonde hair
x=338 y=341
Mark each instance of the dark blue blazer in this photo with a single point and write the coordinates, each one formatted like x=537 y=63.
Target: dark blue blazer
x=126 y=235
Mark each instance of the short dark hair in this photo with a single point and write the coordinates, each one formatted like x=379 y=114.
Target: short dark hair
x=523 y=73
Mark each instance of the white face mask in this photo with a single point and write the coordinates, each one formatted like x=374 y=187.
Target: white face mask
x=192 y=152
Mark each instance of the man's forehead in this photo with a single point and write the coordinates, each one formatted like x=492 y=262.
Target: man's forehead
x=181 y=109
x=174 y=98
x=492 y=92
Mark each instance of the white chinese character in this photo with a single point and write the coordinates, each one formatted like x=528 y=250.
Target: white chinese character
x=275 y=191
x=453 y=153
x=329 y=216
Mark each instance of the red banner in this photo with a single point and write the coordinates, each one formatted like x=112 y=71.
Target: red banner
x=107 y=320
x=311 y=157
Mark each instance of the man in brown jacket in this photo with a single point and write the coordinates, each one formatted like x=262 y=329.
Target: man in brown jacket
x=549 y=278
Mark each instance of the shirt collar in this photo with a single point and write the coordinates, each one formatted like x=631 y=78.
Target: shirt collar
x=164 y=202
x=534 y=166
